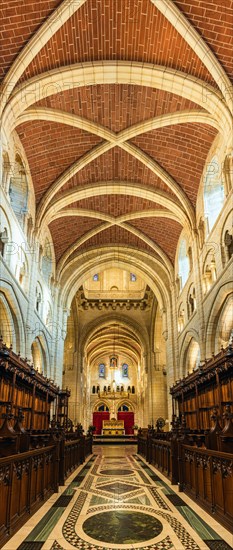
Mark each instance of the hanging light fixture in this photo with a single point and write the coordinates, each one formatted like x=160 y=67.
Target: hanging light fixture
x=113 y=358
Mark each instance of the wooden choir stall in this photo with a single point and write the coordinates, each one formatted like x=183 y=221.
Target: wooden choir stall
x=39 y=446
x=198 y=451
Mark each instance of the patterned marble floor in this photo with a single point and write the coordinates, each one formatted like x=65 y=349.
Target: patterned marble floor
x=116 y=501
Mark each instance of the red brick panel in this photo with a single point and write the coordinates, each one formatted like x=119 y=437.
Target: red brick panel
x=162 y=231
x=51 y=148
x=182 y=150
x=213 y=19
x=116 y=29
x=115 y=236
x=117 y=106
x=67 y=230
x=116 y=165
x=116 y=205
x=20 y=19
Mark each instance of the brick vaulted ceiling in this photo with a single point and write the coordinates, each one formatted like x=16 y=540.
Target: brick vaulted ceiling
x=116 y=29
x=117 y=106
x=116 y=163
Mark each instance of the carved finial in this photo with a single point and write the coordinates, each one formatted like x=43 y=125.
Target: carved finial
x=229 y=352
x=214 y=414
x=183 y=421
x=227 y=414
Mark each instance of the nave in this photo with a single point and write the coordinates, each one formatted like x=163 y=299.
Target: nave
x=115 y=500
x=116 y=263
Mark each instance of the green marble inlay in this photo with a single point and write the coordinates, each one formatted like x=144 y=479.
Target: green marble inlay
x=45 y=525
x=116 y=472
x=121 y=527
x=143 y=499
x=100 y=481
x=112 y=463
x=70 y=489
x=119 y=488
x=200 y=526
x=144 y=478
x=166 y=490
x=99 y=500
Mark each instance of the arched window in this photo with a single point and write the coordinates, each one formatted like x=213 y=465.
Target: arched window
x=181 y=318
x=39 y=356
x=29 y=230
x=192 y=356
x=18 y=190
x=113 y=362
x=3 y=241
x=5 y=236
x=46 y=264
x=191 y=299
x=209 y=273
x=213 y=191
x=125 y=370
x=183 y=263
x=228 y=243
x=21 y=271
x=38 y=304
x=102 y=408
x=101 y=370
x=7 y=328
x=225 y=324
x=124 y=408
x=6 y=168
x=48 y=317
x=227 y=239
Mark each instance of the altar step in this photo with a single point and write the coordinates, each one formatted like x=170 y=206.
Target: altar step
x=114 y=440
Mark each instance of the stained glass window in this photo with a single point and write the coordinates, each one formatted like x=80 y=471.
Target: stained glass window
x=125 y=370
x=183 y=262
x=102 y=370
x=213 y=191
x=113 y=362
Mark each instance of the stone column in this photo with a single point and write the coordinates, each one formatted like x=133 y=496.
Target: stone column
x=146 y=391
x=197 y=275
x=77 y=388
x=59 y=338
x=170 y=335
x=32 y=322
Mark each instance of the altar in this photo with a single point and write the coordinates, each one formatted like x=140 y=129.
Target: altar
x=113 y=427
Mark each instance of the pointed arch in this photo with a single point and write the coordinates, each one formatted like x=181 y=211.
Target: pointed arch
x=199 y=46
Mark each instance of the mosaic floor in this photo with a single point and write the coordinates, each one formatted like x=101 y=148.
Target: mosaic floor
x=116 y=501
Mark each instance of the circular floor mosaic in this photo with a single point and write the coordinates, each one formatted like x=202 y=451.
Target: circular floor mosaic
x=122 y=527
x=116 y=472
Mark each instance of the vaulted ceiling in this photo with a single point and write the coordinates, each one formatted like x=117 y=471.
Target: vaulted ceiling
x=117 y=104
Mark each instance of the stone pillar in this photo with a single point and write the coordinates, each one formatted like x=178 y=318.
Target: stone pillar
x=146 y=391
x=197 y=275
x=77 y=388
x=59 y=338
x=85 y=399
x=32 y=323
x=170 y=335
